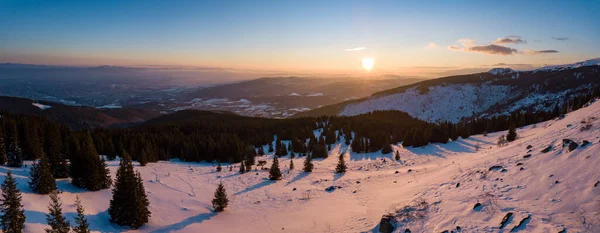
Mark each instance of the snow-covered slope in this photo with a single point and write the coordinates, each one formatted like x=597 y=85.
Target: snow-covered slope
x=498 y=91
x=557 y=188
x=441 y=103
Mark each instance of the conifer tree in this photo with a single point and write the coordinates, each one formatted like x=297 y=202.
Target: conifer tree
x=308 y=165
x=291 y=164
x=242 y=167
x=96 y=175
x=341 y=166
x=387 y=148
x=54 y=152
x=275 y=172
x=220 y=201
x=42 y=180
x=55 y=219
x=3 y=158
x=397 y=157
x=129 y=204
x=219 y=168
x=142 y=158
x=81 y=223
x=13 y=215
x=271 y=147
x=14 y=152
x=512 y=133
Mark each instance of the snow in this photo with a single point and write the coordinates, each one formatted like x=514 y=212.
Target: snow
x=294 y=94
x=41 y=106
x=315 y=94
x=591 y=62
x=180 y=192
x=441 y=103
x=500 y=71
x=112 y=106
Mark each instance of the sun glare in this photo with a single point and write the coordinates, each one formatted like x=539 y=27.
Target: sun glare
x=368 y=63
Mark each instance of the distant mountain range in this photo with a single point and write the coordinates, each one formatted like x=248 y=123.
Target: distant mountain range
x=498 y=91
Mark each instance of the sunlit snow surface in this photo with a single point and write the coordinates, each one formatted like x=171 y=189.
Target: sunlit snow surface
x=180 y=193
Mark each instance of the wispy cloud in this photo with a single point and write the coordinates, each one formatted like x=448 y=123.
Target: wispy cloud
x=510 y=40
x=533 y=52
x=356 y=49
x=468 y=45
x=560 y=38
x=432 y=45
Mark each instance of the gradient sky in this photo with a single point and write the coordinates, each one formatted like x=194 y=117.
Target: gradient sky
x=319 y=36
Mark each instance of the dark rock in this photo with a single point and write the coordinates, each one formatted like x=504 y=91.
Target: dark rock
x=585 y=143
x=521 y=169
x=519 y=164
x=458 y=184
x=566 y=142
x=446 y=231
x=458 y=228
x=526 y=156
x=547 y=149
x=330 y=188
x=294 y=189
x=557 y=182
x=385 y=225
x=477 y=206
x=358 y=182
x=529 y=147
x=504 y=170
x=409 y=170
x=396 y=172
x=573 y=146
x=505 y=220
x=407 y=230
x=596 y=184
x=496 y=167
x=522 y=224
x=564 y=230
x=551 y=175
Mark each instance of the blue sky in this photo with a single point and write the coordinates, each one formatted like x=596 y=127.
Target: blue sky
x=298 y=35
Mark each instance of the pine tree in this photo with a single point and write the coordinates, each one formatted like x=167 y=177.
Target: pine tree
x=142 y=158
x=242 y=167
x=275 y=172
x=98 y=175
x=81 y=224
x=14 y=152
x=341 y=166
x=512 y=133
x=54 y=152
x=219 y=168
x=129 y=204
x=55 y=219
x=13 y=215
x=291 y=164
x=3 y=158
x=397 y=157
x=220 y=201
x=387 y=148
x=271 y=147
x=308 y=165
x=42 y=180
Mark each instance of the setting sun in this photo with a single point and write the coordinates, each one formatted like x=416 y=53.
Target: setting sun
x=368 y=63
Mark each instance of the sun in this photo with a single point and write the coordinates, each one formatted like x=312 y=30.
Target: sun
x=367 y=63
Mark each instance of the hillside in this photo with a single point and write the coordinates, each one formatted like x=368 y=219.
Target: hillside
x=498 y=91
x=445 y=180
x=76 y=117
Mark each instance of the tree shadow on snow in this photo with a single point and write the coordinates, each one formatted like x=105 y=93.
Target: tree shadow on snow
x=256 y=186
x=298 y=177
x=337 y=176
x=181 y=225
x=98 y=222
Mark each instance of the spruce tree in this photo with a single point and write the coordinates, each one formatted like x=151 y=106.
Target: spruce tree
x=13 y=215
x=271 y=147
x=54 y=152
x=512 y=133
x=3 y=158
x=42 y=180
x=242 y=167
x=291 y=164
x=14 y=152
x=55 y=219
x=142 y=158
x=341 y=166
x=308 y=165
x=81 y=223
x=275 y=172
x=96 y=175
x=397 y=157
x=219 y=168
x=129 y=204
x=220 y=201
